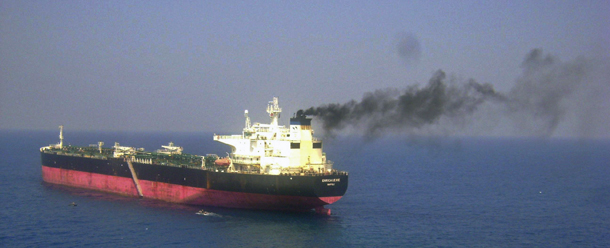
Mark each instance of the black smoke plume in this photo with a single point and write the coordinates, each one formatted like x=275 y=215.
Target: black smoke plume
x=535 y=105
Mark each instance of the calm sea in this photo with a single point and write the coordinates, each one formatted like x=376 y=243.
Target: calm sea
x=466 y=192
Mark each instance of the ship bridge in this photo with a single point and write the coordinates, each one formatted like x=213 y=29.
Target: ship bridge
x=274 y=149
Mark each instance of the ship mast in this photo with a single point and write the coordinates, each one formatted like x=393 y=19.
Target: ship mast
x=274 y=111
x=61 y=137
x=248 y=124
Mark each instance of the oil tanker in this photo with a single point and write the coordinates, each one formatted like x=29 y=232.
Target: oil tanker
x=270 y=167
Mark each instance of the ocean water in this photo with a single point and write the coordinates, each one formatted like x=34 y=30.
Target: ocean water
x=445 y=192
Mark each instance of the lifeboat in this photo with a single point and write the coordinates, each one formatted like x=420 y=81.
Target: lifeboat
x=223 y=161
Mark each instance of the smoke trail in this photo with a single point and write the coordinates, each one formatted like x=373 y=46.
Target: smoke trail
x=535 y=104
x=413 y=108
x=408 y=48
x=536 y=100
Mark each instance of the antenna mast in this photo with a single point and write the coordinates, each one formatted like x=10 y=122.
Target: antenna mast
x=274 y=111
x=248 y=125
x=61 y=137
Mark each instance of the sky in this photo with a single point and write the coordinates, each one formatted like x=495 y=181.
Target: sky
x=197 y=65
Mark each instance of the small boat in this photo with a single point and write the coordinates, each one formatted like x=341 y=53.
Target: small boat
x=206 y=213
x=203 y=212
x=73 y=204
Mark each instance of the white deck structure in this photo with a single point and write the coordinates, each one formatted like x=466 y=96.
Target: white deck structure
x=274 y=149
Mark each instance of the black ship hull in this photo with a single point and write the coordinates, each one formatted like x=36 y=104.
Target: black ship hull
x=294 y=192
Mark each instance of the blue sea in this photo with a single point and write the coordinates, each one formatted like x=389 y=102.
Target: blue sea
x=403 y=192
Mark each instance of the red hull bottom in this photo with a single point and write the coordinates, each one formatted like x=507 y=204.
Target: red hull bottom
x=183 y=194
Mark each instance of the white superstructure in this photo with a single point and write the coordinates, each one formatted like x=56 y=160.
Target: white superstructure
x=274 y=149
x=171 y=149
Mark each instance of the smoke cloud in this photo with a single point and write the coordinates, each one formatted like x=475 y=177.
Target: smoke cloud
x=536 y=105
x=408 y=48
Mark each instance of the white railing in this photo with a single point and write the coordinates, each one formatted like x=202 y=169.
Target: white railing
x=219 y=137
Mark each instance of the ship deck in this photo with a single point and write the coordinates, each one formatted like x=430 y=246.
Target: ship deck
x=173 y=160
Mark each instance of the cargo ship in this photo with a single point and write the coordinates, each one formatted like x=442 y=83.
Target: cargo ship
x=270 y=167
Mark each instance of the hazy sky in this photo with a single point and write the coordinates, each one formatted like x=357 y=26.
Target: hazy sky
x=195 y=65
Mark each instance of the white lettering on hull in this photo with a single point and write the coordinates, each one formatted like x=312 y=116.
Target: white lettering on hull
x=331 y=180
